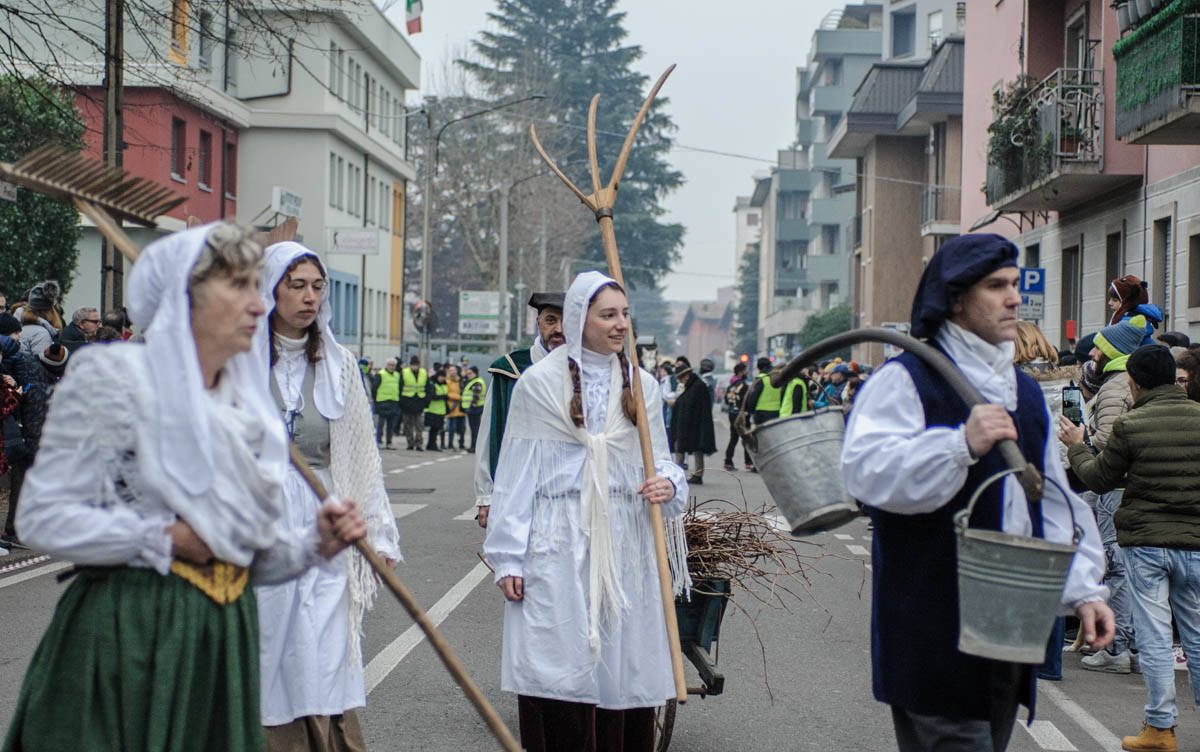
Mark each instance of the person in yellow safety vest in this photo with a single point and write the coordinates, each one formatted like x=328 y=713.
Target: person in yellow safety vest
x=387 y=402
x=412 y=401
x=795 y=398
x=435 y=412
x=764 y=400
x=473 y=394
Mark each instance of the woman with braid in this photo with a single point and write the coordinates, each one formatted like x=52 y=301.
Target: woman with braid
x=585 y=646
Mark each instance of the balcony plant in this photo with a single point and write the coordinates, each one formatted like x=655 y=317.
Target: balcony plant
x=1013 y=130
x=1123 y=21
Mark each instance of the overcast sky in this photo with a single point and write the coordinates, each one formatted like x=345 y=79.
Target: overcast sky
x=733 y=91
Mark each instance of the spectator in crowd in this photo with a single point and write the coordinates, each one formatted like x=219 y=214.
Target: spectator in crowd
x=456 y=419
x=1187 y=373
x=107 y=334
x=1175 y=339
x=10 y=401
x=474 y=392
x=735 y=394
x=1128 y=297
x=764 y=400
x=40 y=319
x=1153 y=452
x=1110 y=353
x=412 y=401
x=435 y=410
x=692 y=431
x=387 y=403
x=118 y=319
x=23 y=428
x=706 y=375
x=10 y=326
x=81 y=330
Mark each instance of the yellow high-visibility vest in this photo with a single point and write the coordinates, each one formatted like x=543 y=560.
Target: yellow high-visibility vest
x=794 y=387
x=389 y=386
x=414 y=386
x=771 y=397
x=468 y=393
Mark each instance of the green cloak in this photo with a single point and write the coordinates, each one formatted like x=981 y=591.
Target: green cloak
x=505 y=371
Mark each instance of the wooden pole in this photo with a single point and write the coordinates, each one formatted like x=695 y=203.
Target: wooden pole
x=601 y=203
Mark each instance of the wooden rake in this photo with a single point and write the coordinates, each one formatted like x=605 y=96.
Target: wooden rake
x=601 y=202
x=102 y=192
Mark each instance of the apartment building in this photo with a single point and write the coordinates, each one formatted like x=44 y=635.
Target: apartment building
x=243 y=122
x=904 y=131
x=1091 y=166
x=807 y=201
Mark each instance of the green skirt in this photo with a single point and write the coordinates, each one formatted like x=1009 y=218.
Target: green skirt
x=134 y=660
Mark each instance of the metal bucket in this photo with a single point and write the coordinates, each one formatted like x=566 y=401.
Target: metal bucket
x=1009 y=587
x=800 y=460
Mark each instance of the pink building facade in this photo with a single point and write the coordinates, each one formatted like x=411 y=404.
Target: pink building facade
x=1082 y=200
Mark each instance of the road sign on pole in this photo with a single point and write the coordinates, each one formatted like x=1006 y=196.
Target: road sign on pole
x=1033 y=293
x=478 y=312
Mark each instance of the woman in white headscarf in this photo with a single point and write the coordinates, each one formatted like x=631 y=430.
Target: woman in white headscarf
x=172 y=505
x=585 y=644
x=310 y=627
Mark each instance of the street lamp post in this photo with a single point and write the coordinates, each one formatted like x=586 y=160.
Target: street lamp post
x=432 y=141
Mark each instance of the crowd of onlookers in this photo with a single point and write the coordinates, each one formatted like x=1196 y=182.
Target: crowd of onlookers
x=431 y=412
x=36 y=343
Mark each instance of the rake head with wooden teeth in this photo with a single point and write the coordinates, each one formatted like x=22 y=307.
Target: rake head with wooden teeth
x=100 y=191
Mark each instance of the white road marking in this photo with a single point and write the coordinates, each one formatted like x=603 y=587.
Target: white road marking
x=403 y=510
x=388 y=658
x=29 y=575
x=858 y=550
x=467 y=515
x=423 y=464
x=397 y=470
x=779 y=522
x=1047 y=736
x=1107 y=740
x=843 y=536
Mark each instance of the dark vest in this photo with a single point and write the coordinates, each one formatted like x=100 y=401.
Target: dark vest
x=915 y=659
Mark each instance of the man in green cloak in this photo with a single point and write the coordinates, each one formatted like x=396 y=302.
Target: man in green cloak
x=505 y=371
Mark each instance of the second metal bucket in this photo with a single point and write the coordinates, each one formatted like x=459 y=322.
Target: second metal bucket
x=1009 y=588
x=800 y=460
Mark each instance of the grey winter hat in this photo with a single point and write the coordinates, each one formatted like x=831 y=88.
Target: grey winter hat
x=44 y=295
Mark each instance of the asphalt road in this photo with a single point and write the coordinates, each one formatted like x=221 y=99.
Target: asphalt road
x=795 y=680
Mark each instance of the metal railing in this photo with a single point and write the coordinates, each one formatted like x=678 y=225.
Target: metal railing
x=1060 y=121
x=940 y=204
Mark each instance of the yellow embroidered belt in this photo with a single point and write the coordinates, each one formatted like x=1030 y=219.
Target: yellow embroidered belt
x=221 y=581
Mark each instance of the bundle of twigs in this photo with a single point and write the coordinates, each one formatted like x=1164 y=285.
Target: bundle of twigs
x=752 y=549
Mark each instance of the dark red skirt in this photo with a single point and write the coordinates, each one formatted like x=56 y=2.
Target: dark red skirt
x=560 y=726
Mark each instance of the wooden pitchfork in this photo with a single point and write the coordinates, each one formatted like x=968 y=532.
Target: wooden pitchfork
x=601 y=202
x=102 y=192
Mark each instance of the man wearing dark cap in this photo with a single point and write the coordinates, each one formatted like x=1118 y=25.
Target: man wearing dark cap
x=914 y=452
x=505 y=371
x=1153 y=452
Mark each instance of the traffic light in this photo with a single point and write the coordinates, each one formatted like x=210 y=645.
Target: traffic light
x=745 y=358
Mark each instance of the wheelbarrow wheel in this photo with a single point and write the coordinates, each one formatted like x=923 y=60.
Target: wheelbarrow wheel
x=664 y=724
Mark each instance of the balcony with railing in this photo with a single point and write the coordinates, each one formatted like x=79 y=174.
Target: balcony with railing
x=940 y=209
x=1158 y=78
x=1046 y=144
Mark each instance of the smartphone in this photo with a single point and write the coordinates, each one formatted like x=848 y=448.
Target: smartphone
x=1072 y=404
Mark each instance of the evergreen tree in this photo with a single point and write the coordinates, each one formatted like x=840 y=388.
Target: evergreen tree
x=746 y=313
x=39 y=236
x=825 y=324
x=571 y=50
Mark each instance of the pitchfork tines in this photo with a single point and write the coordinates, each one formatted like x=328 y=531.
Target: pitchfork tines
x=603 y=197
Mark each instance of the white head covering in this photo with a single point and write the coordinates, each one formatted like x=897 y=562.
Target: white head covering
x=575 y=308
x=327 y=391
x=159 y=304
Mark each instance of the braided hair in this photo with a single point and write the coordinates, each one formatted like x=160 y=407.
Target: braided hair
x=312 y=349
x=628 y=405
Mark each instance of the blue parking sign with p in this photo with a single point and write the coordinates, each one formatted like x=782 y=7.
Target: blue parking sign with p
x=1033 y=281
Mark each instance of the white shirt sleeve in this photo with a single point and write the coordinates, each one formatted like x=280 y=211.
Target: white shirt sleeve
x=890 y=459
x=1087 y=568
x=69 y=505
x=294 y=551
x=483 y=474
x=509 y=523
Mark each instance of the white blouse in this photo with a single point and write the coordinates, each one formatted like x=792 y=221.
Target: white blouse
x=90 y=497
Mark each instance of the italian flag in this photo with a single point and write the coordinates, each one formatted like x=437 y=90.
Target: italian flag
x=413 y=16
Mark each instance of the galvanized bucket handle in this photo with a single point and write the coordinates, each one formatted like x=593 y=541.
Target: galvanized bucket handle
x=1031 y=479
x=962 y=518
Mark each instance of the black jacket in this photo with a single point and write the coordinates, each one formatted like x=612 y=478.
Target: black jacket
x=692 y=421
x=72 y=337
